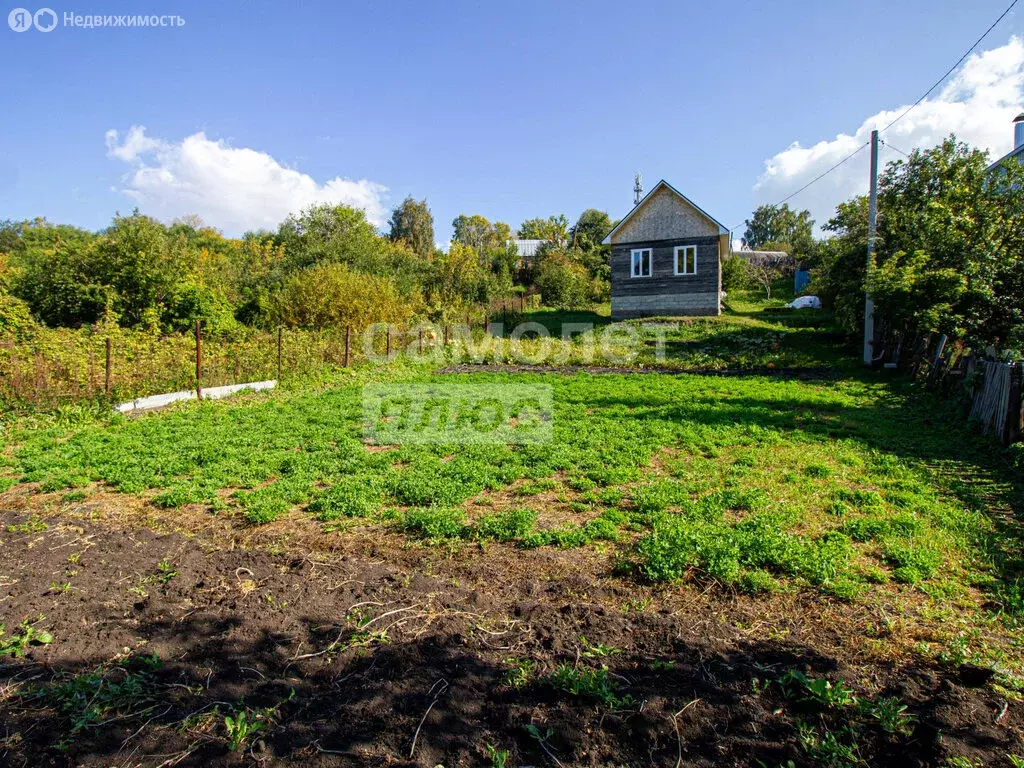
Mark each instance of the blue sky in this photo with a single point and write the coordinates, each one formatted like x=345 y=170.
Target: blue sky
x=510 y=110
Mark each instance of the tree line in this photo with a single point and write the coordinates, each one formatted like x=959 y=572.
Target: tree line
x=950 y=259
x=949 y=249
x=326 y=266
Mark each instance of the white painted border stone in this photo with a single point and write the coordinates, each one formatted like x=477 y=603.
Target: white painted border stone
x=211 y=393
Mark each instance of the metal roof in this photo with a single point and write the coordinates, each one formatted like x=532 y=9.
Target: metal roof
x=527 y=248
x=759 y=254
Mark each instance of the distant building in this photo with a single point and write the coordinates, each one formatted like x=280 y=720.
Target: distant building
x=527 y=249
x=758 y=256
x=666 y=257
x=1018 y=144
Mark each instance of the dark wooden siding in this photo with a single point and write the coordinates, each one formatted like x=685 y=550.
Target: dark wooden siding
x=662 y=279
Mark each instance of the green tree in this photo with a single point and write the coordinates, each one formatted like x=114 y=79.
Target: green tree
x=839 y=277
x=735 y=273
x=57 y=273
x=460 y=276
x=911 y=292
x=554 y=229
x=143 y=264
x=329 y=234
x=774 y=227
x=10 y=236
x=940 y=214
x=412 y=223
x=590 y=229
x=479 y=233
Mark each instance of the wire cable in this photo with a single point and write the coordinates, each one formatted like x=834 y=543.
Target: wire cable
x=905 y=112
x=893 y=146
x=815 y=180
x=950 y=71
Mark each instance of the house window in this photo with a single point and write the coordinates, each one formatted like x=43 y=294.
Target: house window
x=641 y=263
x=686 y=260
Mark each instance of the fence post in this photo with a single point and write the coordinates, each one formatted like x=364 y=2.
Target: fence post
x=199 y=363
x=933 y=373
x=469 y=324
x=446 y=335
x=1011 y=432
x=348 y=345
x=107 y=384
x=421 y=342
x=522 y=303
x=387 y=353
x=280 y=332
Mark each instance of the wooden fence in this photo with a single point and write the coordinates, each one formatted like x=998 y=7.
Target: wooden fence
x=990 y=389
x=59 y=366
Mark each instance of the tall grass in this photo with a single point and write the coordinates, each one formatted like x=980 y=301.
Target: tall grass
x=51 y=367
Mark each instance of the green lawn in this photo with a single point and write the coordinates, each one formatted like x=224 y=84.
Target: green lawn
x=851 y=486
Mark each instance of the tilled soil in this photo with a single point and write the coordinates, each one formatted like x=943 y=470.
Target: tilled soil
x=393 y=656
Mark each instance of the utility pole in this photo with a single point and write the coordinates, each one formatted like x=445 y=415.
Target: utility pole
x=869 y=306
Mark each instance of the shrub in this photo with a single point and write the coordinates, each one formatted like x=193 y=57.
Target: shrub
x=563 y=283
x=332 y=295
x=735 y=273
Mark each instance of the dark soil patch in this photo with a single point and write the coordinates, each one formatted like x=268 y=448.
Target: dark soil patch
x=375 y=648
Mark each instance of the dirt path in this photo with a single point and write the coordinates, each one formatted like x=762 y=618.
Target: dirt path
x=356 y=660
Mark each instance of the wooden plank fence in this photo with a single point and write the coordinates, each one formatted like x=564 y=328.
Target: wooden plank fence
x=990 y=389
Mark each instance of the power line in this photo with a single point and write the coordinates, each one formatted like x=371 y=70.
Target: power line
x=959 y=61
x=906 y=112
x=812 y=181
x=892 y=146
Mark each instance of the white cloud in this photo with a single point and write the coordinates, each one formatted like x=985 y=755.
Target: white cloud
x=977 y=104
x=135 y=143
x=232 y=188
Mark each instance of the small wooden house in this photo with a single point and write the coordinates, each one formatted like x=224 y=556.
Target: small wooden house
x=667 y=258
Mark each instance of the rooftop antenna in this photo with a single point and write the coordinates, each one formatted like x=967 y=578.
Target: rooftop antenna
x=638 y=188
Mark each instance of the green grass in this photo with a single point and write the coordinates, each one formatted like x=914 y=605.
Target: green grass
x=85 y=700
x=757 y=483
x=589 y=683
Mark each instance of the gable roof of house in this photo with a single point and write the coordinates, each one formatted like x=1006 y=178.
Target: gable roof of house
x=1018 y=153
x=662 y=183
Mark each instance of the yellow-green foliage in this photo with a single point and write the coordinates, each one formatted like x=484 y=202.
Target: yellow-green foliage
x=331 y=295
x=49 y=366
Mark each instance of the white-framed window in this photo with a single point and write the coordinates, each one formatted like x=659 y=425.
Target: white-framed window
x=685 y=260
x=640 y=262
